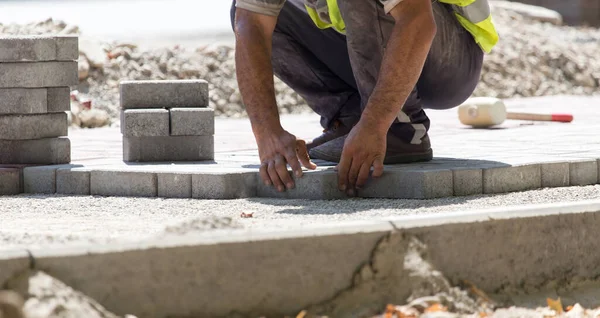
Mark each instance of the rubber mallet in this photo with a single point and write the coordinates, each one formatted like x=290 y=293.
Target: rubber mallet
x=483 y=112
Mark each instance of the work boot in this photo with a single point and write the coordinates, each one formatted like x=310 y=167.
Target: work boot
x=398 y=150
x=338 y=129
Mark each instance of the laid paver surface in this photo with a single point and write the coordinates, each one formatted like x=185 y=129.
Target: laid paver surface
x=515 y=156
x=513 y=142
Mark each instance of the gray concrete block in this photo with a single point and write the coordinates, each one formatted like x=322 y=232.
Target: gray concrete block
x=67 y=47
x=38 y=48
x=192 y=121
x=75 y=181
x=59 y=99
x=122 y=183
x=23 y=101
x=33 y=126
x=555 y=174
x=232 y=185
x=164 y=94
x=408 y=183
x=467 y=181
x=10 y=181
x=174 y=185
x=512 y=179
x=37 y=151
x=145 y=122
x=313 y=185
x=583 y=173
x=171 y=148
x=40 y=74
x=27 y=48
x=42 y=179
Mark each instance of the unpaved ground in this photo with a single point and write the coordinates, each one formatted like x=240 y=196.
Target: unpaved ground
x=40 y=220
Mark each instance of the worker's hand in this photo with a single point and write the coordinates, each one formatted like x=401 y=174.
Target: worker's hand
x=364 y=148
x=276 y=151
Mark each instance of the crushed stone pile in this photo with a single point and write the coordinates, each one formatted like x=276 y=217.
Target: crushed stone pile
x=535 y=57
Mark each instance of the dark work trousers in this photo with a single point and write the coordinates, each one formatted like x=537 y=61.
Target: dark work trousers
x=337 y=73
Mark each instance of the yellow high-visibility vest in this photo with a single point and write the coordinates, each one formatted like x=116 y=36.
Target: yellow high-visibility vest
x=473 y=15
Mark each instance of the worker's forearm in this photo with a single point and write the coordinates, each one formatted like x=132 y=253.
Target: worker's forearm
x=255 y=75
x=401 y=68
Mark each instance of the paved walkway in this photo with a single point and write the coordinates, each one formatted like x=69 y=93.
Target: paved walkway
x=515 y=156
x=514 y=142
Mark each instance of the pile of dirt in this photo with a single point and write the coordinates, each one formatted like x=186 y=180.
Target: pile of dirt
x=536 y=56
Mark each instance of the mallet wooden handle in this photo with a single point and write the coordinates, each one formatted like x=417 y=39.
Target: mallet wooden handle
x=563 y=118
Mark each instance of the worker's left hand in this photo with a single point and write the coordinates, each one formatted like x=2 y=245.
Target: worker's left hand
x=364 y=148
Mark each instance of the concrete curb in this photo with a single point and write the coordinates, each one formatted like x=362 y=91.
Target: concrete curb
x=280 y=273
x=439 y=178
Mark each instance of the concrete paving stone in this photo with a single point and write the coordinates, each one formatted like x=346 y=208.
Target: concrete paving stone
x=40 y=74
x=583 y=173
x=512 y=179
x=555 y=174
x=192 y=121
x=74 y=181
x=123 y=183
x=23 y=101
x=226 y=185
x=174 y=185
x=10 y=181
x=33 y=126
x=407 y=183
x=171 y=148
x=27 y=48
x=314 y=185
x=42 y=179
x=145 y=122
x=59 y=99
x=36 y=151
x=164 y=94
x=67 y=47
x=467 y=181
x=38 y=48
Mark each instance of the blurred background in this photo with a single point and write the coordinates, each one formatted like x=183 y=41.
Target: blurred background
x=150 y=23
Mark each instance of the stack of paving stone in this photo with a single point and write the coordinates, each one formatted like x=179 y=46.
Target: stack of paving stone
x=35 y=75
x=166 y=121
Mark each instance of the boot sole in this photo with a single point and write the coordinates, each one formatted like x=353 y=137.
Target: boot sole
x=409 y=157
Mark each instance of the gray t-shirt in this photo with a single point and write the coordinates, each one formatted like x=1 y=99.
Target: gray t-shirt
x=272 y=7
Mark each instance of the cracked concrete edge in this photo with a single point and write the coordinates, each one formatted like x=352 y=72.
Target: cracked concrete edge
x=331 y=269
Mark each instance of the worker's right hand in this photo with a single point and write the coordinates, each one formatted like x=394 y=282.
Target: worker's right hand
x=277 y=150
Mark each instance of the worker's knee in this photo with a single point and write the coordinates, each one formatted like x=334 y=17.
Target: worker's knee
x=449 y=96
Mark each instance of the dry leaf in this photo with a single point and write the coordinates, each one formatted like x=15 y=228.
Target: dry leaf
x=302 y=314
x=478 y=292
x=569 y=308
x=400 y=312
x=389 y=311
x=247 y=216
x=436 y=308
x=555 y=305
x=483 y=315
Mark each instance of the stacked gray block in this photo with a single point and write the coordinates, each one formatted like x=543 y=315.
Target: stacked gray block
x=36 y=73
x=166 y=121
